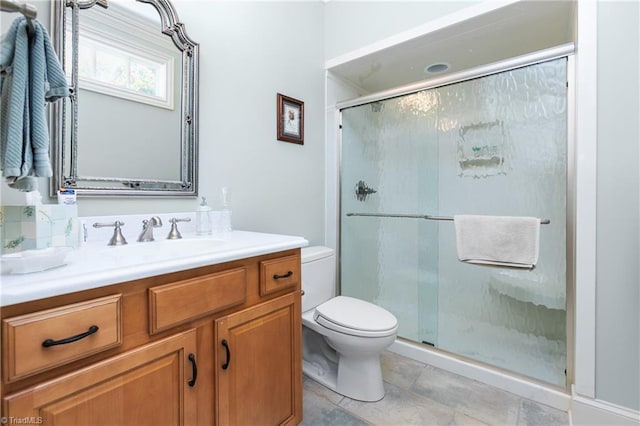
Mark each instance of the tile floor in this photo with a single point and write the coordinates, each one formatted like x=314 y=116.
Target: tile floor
x=419 y=394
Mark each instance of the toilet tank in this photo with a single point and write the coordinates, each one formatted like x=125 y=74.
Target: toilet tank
x=318 y=276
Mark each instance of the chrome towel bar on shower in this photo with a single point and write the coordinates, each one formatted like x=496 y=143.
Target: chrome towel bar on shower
x=419 y=216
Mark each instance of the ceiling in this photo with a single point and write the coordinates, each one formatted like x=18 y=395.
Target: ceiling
x=513 y=30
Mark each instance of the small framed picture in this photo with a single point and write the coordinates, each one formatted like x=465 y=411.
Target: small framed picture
x=290 y=120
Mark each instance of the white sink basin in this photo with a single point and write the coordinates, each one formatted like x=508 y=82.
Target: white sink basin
x=95 y=264
x=165 y=249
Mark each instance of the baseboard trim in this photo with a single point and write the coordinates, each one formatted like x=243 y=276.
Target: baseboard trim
x=592 y=412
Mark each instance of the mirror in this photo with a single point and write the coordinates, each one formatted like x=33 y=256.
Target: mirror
x=130 y=124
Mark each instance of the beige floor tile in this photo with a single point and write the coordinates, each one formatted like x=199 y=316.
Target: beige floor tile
x=400 y=407
x=322 y=391
x=461 y=419
x=534 y=414
x=317 y=410
x=485 y=403
x=399 y=370
x=419 y=394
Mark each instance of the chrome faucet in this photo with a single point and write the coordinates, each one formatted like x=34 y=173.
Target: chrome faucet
x=147 y=228
x=117 y=239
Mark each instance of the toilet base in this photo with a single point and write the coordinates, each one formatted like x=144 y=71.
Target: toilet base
x=349 y=378
x=360 y=377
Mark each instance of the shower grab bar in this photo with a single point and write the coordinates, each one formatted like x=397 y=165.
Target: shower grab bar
x=419 y=216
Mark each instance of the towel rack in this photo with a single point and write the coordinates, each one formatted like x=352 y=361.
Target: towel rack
x=28 y=10
x=419 y=216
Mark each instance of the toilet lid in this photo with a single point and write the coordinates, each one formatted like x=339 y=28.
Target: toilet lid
x=354 y=316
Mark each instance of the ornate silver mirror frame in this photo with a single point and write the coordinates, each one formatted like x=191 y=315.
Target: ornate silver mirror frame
x=64 y=115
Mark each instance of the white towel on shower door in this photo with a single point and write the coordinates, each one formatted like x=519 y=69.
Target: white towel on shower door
x=498 y=240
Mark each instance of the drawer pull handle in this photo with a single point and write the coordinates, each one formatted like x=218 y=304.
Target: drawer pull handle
x=51 y=342
x=194 y=368
x=226 y=346
x=287 y=275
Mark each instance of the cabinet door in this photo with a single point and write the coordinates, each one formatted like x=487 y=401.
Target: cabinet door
x=145 y=386
x=258 y=364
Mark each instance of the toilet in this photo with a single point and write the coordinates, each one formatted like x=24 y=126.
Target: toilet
x=342 y=337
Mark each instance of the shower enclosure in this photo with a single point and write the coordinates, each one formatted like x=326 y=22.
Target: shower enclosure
x=492 y=145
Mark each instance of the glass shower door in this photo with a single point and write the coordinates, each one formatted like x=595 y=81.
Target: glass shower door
x=391 y=262
x=495 y=145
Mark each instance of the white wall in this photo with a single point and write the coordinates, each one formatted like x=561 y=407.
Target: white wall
x=336 y=90
x=249 y=52
x=617 y=287
x=351 y=25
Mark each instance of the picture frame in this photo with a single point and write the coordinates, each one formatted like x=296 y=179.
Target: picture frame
x=290 y=119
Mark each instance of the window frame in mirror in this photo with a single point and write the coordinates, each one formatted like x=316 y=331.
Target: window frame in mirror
x=64 y=114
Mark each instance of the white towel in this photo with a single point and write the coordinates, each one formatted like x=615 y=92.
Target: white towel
x=498 y=240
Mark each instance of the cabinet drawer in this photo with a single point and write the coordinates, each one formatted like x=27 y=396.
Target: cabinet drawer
x=182 y=301
x=148 y=385
x=41 y=340
x=279 y=274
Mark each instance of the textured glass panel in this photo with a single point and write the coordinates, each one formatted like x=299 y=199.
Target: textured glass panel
x=494 y=145
x=392 y=262
x=510 y=318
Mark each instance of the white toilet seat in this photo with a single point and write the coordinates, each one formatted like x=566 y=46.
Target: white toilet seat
x=355 y=317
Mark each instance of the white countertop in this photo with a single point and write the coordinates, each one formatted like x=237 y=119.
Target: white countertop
x=96 y=264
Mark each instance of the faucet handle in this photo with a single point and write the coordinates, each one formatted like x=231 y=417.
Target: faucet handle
x=174 y=234
x=117 y=239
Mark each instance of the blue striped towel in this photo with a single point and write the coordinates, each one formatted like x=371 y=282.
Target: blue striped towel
x=30 y=75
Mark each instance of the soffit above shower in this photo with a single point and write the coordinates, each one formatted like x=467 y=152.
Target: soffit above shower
x=516 y=29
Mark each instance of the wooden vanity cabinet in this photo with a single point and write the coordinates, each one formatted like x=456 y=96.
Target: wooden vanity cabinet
x=144 y=386
x=168 y=364
x=258 y=362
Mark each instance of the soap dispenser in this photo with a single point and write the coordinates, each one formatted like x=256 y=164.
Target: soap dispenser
x=204 y=218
